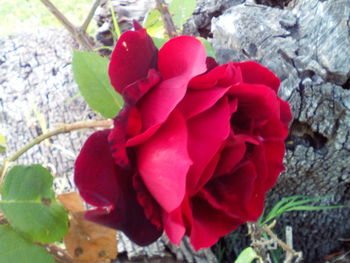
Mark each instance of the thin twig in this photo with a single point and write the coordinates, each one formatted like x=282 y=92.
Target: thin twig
x=283 y=245
x=79 y=35
x=63 y=129
x=90 y=15
x=167 y=18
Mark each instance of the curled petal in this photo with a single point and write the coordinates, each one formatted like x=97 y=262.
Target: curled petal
x=128 y=123
x=207 y=132
x=236 y=193
x=221 y=76
x=197 y=101
x=256 y=103
x=134 y=54
x=210 y=224
x=254 y=73
x=286 y=114
x=108 y=187
x=184 y=55
x=163 y=162
x=274 y=152
x=231 y=155
x=180 y=59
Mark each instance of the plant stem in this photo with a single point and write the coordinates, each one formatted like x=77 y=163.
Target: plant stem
x=90 y=15
x=63 y=129
x=78 y=34
x=292 y=253
x=167 y=18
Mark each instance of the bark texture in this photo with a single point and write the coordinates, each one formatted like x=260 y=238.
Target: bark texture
x=307 y=44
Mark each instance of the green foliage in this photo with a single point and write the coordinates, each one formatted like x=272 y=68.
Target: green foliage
x=208 y=47
x=295 y=203
x=247 y=255
x=29 y=204
x=159 y=42
x=154 y=24
x=91 y=73
x=2 y=143
x=181 y=11
x=14 y=248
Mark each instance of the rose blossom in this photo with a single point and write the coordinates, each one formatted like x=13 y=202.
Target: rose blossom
x=195 y=148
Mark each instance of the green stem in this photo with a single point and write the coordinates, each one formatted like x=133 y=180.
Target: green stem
x=115 y=21
x=63 y=129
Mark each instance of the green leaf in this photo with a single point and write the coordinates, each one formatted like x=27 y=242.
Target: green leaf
x=29 y=204
x=208 y=47
x=154 y=24
x=3 y=144
x=159 y=42
x=296 y=203
x=181 y=11
x=91 y=73
x=247 y=255
x=14 y=248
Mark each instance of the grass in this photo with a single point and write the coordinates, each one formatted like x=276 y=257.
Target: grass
x=19 y=15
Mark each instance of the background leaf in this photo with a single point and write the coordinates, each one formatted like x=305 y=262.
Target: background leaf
x=154 y=24
x=181 y=11
x=208 y=47
x=2 y=143
x=29 y=204
x=159 y=42
x=15 y=249
x=91 y=73
x=247 y=255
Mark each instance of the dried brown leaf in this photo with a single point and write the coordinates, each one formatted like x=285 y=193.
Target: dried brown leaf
x=86 y=241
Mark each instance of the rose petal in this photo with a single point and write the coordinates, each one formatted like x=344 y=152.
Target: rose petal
x=256 y=103
x=178 y=221
x=128 y=123
x=136 y=90
x=180 y=59
x=145 y=199
x=273 y=129
x=221 y=76
x=184 y=55
x=211 y=63
x=236 y=193
x=209 y=224
x=232 y=154
x=163 y=162
x=132 y=57
x=207 y=132
x=117 y=137
x=197 y=101
x=174 y=225
x=103 y=184
x=254 y=73
x=286 y=114
x=274 y=152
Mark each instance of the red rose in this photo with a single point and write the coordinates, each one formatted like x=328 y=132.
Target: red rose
x=193 y=151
